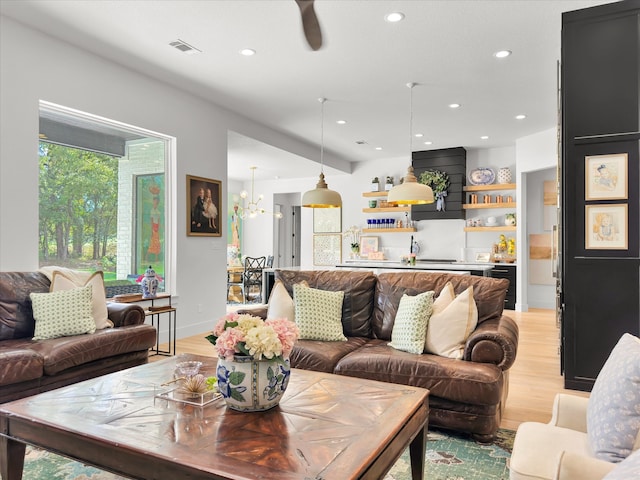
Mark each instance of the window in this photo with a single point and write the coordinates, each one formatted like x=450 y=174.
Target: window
x=104 y=198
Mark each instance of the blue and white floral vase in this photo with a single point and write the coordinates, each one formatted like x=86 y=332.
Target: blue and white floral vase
x=250 y=385
x=149 y=283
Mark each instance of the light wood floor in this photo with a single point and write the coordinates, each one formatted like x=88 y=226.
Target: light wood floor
x=534 y=378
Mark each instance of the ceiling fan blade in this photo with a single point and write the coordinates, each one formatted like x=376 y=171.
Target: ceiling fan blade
x=310 y=24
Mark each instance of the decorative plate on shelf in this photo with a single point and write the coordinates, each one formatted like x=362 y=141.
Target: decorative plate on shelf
x=482 y=176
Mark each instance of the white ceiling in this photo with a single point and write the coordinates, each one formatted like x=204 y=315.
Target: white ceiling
x=445 y=46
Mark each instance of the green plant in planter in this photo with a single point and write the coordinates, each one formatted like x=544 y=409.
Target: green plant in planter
x=439 y=183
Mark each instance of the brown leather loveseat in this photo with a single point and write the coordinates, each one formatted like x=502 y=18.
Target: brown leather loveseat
x=28 y=367
x=466 y=394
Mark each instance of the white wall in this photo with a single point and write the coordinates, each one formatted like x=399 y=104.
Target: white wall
x=533 y=153
x=37 y=67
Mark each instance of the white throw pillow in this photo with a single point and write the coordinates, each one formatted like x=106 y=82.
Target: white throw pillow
x=451 y=323
x=613 y=411
x=281 y=303
x=62 y=314
x=63 y=281
x=410 y=325
x=318 y=313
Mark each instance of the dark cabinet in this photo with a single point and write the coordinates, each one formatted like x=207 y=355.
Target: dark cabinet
x=599 y=282
x=508 y=272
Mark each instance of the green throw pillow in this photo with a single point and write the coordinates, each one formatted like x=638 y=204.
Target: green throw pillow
x=410 y=326
x=63 y=313
x=318 y=314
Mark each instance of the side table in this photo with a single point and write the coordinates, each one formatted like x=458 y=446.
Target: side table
x=156 y=311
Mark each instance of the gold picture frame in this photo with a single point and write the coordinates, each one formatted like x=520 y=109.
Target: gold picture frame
x=204 y=207
x=368 y=244
x=606 y=227
x=606 y=177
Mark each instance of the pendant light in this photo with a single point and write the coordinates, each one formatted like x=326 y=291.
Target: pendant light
x=321 y=196
x=410 y=192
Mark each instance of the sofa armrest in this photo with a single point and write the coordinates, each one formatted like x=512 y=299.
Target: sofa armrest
x=260 y=311
x=123 y=314
x=570 y=411
x=572 y=466
x=493 y=341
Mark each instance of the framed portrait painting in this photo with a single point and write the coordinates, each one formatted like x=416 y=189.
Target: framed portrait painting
x=606 y=177
x=606 y=227
x=204 y=204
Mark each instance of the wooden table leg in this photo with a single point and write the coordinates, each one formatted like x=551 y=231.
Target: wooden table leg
x=11 y=458
x=417 y=452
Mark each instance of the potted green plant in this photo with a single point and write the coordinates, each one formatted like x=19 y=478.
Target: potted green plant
x=375 y=184
x=389 y=184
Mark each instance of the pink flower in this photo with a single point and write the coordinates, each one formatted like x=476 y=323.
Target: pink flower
x=221 y=324
x=287 y=331
x=226 y=344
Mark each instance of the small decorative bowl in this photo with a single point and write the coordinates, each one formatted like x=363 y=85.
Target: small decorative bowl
x=188 y=368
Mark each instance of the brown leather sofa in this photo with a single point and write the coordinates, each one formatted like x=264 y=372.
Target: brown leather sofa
x=28 y=367
x=466 y=395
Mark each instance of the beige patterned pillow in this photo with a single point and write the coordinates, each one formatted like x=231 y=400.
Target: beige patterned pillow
x=62 y=314
x=410 y=326
x=451 y=324
x=62 y=281
x=281 y=303
x=318 y=314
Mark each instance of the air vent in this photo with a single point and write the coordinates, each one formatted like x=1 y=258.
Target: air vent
x=184 y=47
x=361 y=142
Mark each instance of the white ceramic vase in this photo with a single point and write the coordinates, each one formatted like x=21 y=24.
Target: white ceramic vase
x=504 y=175
x=249 y=385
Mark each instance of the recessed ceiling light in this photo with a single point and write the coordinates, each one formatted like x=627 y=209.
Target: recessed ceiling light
x=502 y=53
x=419 y=135
x=378 y=148
x=520 y=117
x=484 y=137
x=247 y=52
x=341 y=122
x=394 y=17
x=454 y=105
x=428 y=143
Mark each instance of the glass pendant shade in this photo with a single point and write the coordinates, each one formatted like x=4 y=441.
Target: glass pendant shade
x=410 y=192
x=321 y=196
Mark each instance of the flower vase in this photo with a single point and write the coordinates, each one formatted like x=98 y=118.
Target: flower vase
x=149 y=283
x=250 y=385
x=355 y=252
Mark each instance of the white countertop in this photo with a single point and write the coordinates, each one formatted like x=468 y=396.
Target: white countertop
x=456 y=266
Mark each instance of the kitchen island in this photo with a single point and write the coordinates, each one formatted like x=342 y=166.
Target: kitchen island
x=448 y=266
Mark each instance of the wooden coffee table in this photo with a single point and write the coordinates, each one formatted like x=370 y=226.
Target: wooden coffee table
x=326 y=427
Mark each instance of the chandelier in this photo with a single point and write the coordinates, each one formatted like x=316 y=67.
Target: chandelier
x=252 y=209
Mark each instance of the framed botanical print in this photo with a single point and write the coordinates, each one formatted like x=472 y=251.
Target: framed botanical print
x=606 y=227
x=327 y=220
x=204 y=202
x=327 y=249
x=606 y=177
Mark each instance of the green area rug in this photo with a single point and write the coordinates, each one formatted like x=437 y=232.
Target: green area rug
x=449 y=457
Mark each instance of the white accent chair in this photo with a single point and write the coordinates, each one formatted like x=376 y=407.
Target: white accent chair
x=558 y=450
x=564 y=449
